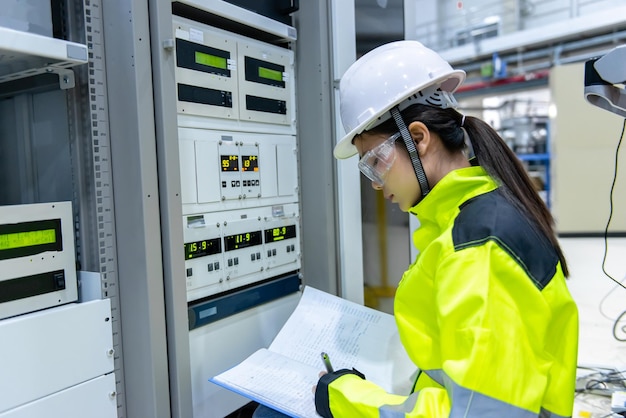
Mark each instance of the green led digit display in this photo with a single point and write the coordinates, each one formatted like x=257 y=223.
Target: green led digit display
x=27 y=239
x=239 y=241
x=202 y=248
x=210 y=60
x=270 y=74
x=280 y=233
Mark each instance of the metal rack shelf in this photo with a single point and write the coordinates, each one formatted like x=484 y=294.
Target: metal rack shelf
x=24 y=54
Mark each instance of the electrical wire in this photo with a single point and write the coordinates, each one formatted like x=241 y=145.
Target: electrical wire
x=601 y=379
x=606 y=244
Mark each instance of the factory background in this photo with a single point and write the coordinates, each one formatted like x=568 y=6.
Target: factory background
x=168 y=166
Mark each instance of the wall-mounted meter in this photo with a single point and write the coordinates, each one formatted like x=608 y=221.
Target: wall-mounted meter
x=227 y=250
x=231 y=170
x=37 y=259
x=238 y=158
x=223 y=75
x=265 y=83
x=206 y=72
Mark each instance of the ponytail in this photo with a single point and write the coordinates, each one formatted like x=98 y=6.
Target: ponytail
x=492 y=154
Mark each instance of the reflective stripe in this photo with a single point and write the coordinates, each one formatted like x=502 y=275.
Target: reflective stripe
x=547 y=414
x=437 y=375
x=398 y=411
x=467 y=403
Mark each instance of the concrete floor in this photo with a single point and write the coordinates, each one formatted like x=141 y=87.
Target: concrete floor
x=600 y=302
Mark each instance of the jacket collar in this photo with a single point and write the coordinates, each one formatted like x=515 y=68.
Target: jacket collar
x=441 y=205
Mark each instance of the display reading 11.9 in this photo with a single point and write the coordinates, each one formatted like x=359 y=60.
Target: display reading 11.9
x=230 y=162
x=243 y=240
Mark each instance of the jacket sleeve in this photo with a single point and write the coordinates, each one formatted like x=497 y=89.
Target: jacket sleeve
x=346 y=393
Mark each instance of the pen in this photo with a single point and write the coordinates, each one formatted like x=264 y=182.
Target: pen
x=326 y=360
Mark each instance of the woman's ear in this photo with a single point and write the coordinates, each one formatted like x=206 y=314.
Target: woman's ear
x=421 y=136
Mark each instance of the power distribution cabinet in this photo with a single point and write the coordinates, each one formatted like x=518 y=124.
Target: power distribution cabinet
x=240 y=196
x=238 y=158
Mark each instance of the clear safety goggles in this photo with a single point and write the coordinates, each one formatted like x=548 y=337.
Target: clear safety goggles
x=377 y=162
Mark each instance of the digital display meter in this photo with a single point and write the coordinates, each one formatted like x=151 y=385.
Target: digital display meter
x=249 y=163
x=280 y=233
x=230 y=162
x=243 y=240
x=37 y=258
x=30 y=238
x=210 y=60
x=270 y=74
x=202 y=248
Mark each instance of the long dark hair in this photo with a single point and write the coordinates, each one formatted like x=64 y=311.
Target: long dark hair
x=491 y=153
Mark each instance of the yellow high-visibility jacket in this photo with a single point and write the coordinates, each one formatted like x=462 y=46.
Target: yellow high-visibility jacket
x=484 y=313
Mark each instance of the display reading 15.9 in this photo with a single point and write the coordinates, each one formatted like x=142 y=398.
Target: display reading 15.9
x=249 y=163
x=202 y=248
x=280 y=233
x=230 y=162
x=243 y=240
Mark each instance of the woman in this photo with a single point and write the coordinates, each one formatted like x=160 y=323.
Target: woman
x=483 y=311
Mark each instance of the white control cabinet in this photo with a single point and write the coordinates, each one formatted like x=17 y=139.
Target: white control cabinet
x=58 y=363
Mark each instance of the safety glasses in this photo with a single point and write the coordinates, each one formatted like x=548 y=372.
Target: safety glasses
x=377 y=162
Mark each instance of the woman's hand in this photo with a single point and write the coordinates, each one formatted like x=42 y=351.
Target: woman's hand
x=320 y=375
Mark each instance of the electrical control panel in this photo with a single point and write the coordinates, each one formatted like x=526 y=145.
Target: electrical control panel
x=37 y=258
x=238 y=159
x=227 y=250
x=232 y=170
x=227 y=76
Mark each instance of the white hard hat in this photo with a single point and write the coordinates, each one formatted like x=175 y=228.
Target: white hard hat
x=388 y=76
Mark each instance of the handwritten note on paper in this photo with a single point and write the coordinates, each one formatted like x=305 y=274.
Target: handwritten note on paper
x=270 y=377
x=353 y=336
x=282 y=376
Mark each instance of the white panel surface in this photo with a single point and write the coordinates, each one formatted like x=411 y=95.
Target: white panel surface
x=287 y=163
x=207 y=171
x=51 y=350
x=187 y=172
x=268 y=172
x=94 y=399
x=247 y=331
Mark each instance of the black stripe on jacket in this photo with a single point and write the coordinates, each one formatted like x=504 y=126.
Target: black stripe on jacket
x=491 y=217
